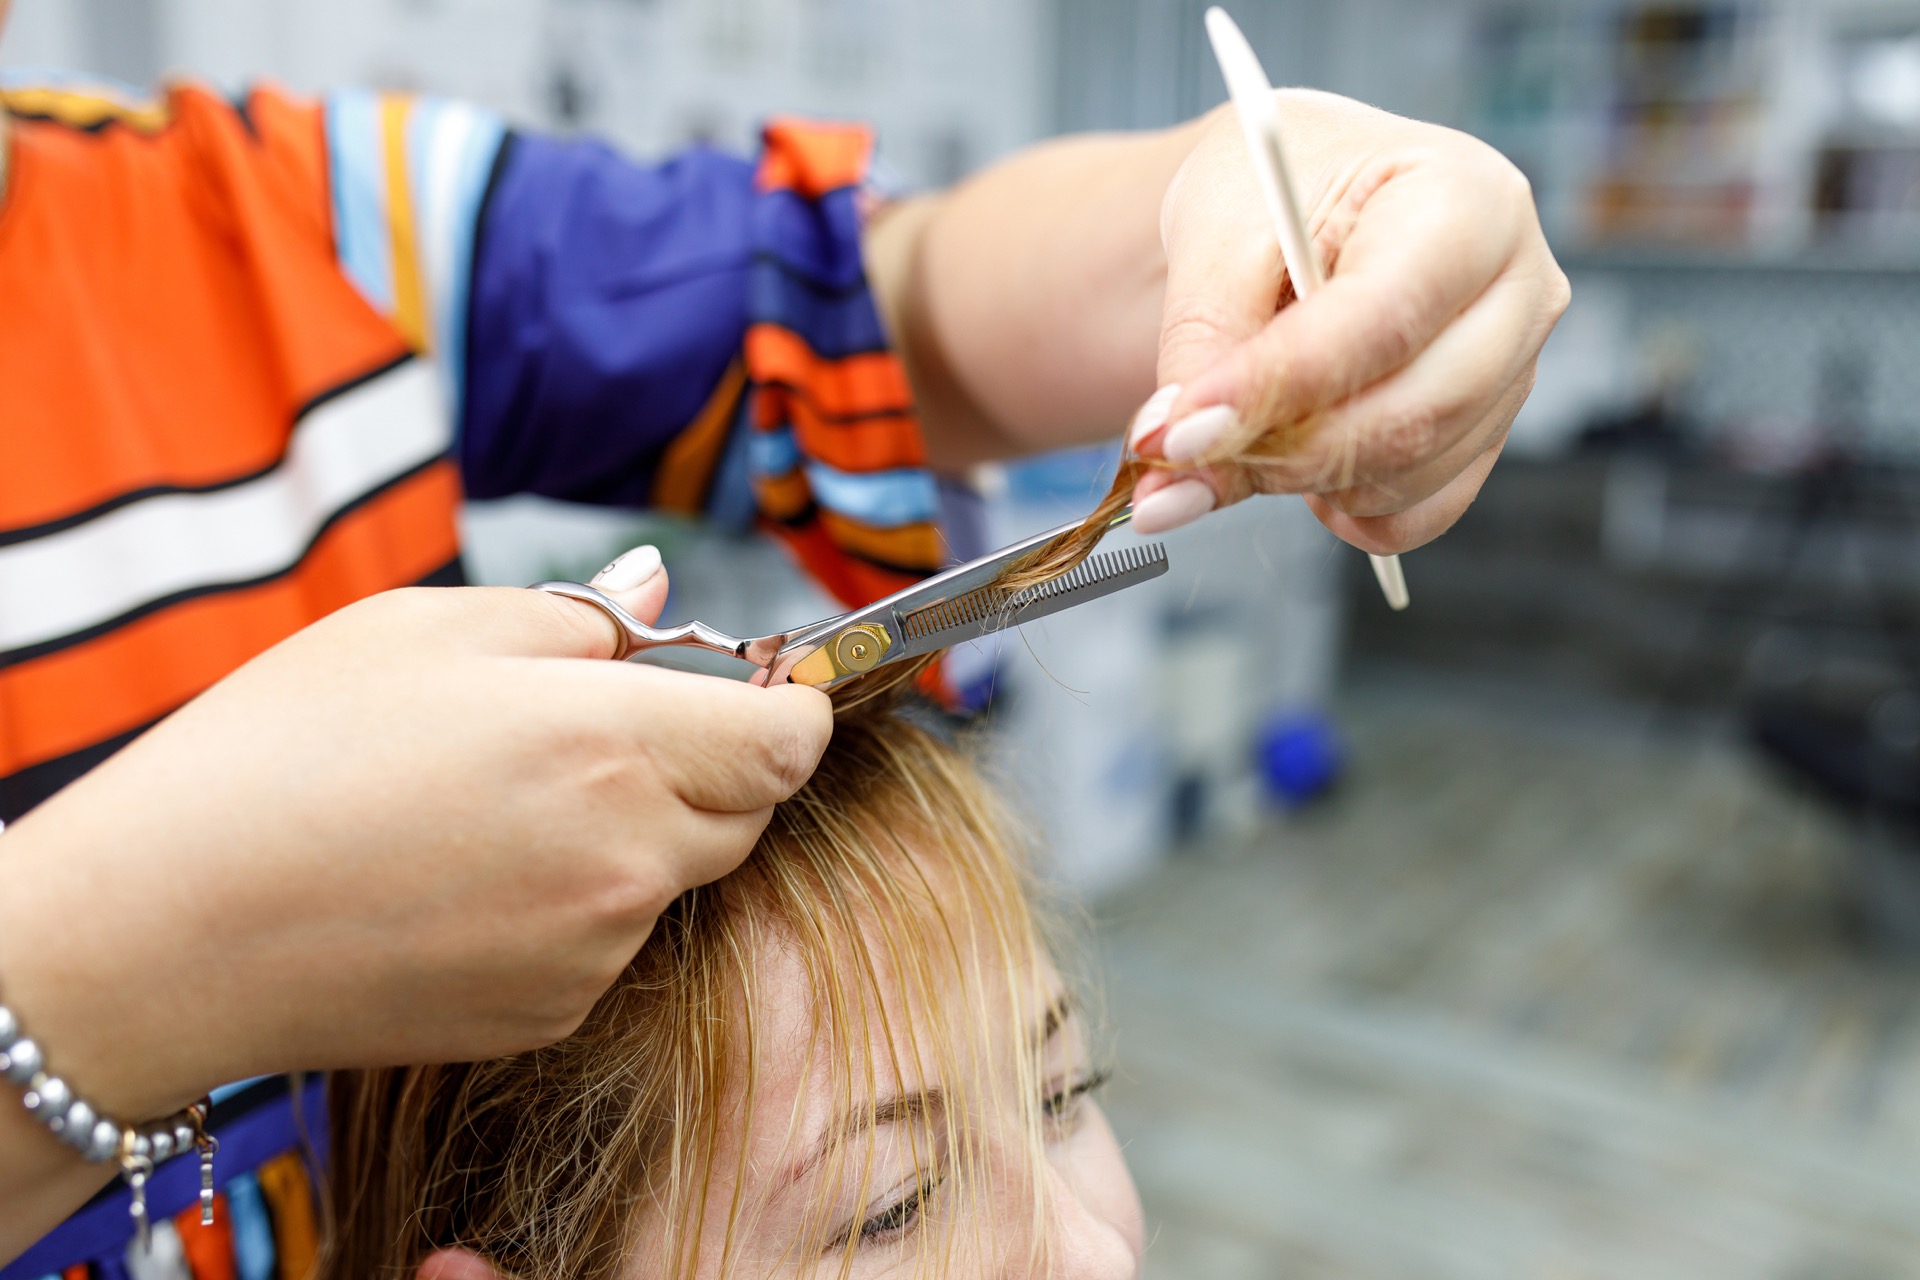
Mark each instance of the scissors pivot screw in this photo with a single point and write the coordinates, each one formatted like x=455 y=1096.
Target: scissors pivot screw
x=860 y=648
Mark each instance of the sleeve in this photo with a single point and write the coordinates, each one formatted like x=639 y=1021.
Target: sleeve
x=698 y=336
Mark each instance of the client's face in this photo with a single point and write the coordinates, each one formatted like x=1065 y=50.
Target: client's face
x=869 y=1187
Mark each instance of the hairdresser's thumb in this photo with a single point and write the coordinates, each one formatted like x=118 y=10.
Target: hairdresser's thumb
x=572 y=629
x=638 y=580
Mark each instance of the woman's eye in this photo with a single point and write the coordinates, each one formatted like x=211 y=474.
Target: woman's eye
x=897 y=1219
x=1061 y=1106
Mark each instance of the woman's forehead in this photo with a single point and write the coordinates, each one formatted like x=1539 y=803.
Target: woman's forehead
x=884 y=1010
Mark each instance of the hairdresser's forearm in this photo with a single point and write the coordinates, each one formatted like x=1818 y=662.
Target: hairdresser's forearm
x=1027 y=300
x=41 y=1180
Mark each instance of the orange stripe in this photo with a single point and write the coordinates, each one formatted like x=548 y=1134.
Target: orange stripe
x=209 y=1249
x=686 y=469
x=409 y=300
x=872 y=382
x=289 y=1196
x=76 y=697
x=913 y=546
x=867 y=444
x=853 y=582
x=813 y=158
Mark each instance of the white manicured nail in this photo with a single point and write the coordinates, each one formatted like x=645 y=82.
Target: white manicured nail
x=1181 y=502
x=1152 y=415
x=1196 y=435
x=629 y=571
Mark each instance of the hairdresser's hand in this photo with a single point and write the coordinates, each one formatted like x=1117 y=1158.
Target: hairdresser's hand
x=1386 y=396
x=428 y=828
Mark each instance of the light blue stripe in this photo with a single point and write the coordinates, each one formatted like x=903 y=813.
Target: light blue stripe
x=226 y=1091
x=253 y=1255
x=887 y=499
x=354 y=162
x=772 y=453
x=730 y=501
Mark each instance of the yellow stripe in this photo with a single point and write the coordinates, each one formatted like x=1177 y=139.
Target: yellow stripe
x=686 y=469
x=409 y=298
x=83 y=109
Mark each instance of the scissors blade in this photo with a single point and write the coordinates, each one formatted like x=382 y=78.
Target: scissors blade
x=969 y=611
x=985 y=610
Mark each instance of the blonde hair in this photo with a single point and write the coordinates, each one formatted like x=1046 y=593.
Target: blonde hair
x=894 y=871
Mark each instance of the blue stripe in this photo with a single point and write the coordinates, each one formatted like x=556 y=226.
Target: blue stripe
x=358 y=176
x=819 y=239
x=772 y=453
x=834 y=324
x=886 y=499
x=253 y=1254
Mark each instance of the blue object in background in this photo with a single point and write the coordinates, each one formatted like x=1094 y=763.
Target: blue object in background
x=1300 y=757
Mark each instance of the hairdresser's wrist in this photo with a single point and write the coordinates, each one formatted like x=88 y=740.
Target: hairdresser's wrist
x=93 y=981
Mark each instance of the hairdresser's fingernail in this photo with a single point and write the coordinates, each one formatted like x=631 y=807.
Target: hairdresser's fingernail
x=1196 y=435
x=1152 y=415
x=630 y=570
x=1181 y=502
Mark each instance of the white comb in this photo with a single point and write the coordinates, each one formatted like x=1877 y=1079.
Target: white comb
x=1252 y=96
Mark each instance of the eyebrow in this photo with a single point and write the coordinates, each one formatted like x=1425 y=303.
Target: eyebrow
x=905 y=1108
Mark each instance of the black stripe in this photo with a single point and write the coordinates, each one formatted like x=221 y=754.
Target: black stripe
x=482 y=227
x=27 y=533
x=242 y=104
x=21 y=791
x=95 y=126
x=28 y=653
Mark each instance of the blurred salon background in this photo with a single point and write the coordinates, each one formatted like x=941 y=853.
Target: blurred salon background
x=1567 y=925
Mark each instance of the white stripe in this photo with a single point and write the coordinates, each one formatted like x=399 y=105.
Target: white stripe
x=438 y=203
x=450 y=179
x=95 y=572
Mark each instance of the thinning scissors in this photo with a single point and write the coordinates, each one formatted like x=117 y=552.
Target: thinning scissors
x=961 y=604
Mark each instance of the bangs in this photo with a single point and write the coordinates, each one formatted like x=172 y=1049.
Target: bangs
x=897 y=887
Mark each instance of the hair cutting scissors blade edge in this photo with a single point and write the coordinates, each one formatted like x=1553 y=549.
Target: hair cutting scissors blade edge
x=951 y=608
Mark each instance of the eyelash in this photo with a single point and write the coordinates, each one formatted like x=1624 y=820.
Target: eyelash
x=897 y=1219
x=1059 y=1108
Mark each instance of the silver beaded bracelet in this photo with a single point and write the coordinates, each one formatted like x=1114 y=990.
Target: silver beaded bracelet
x=98 y=1137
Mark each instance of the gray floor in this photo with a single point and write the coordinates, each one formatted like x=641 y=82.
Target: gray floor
x=1544 y=993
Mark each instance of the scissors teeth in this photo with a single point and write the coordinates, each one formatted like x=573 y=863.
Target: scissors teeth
x=961 y=604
